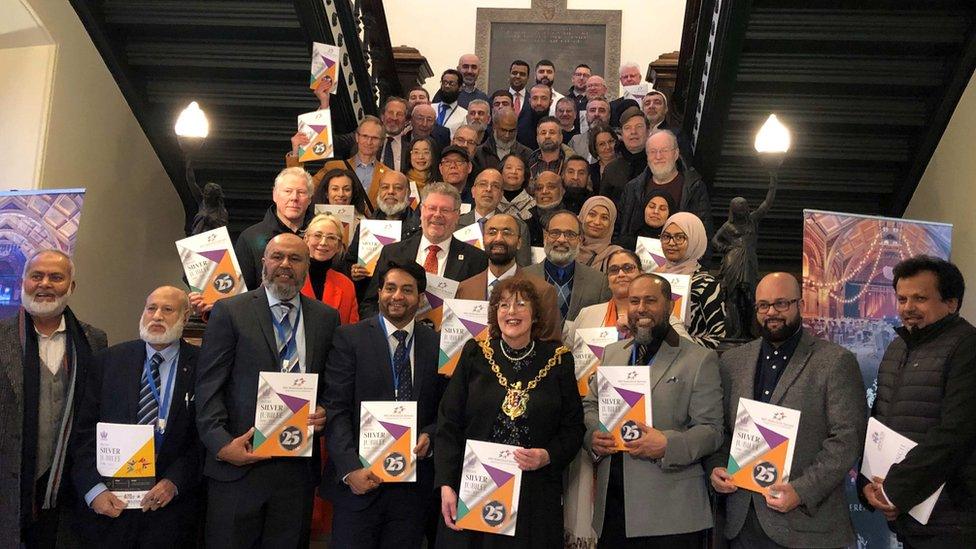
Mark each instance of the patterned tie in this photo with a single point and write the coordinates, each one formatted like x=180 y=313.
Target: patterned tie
x=430 y=264
x=442 y=114
x=481 y=223
x=491 y=286
x=517 y=103
x=287 y=347
x=388 y=153
x=148 y=407
x=401 y=365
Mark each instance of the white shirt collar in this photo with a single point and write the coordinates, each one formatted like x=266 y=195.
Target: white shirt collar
x=59 y=330
x=424 y=244
x=390 y=328
x=507 y=274
x=272 y=300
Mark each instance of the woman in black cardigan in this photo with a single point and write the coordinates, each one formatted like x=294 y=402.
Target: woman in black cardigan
x=548 y=430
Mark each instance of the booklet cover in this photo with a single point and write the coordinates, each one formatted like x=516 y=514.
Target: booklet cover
x=210 y=265
x=432 y=301
x=463 y=319
x=414 y=196
x=680 y=294
x=651 y=253
x=637 y=91
x=346 y=214
x=281 y=417
x=387 y=437
x=884 y=447
x=472 y=235
x=373 y=235
x=125 y=457
x=588 y=347
x=624 y=396
x=317 y=126
x=490 y=484
x=325 y=63
x=538 y=254
x=762 y=444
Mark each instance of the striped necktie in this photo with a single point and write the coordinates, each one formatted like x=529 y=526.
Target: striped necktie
x=401 y=365
x=148 y=407
x=288 y=346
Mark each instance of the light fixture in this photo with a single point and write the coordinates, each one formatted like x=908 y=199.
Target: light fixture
x=192 y=122
x=191 y=130
x=772 y=143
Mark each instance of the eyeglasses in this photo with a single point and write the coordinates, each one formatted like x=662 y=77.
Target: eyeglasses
x=627 y=268
x=330 y=238
x=780 y=305
x=678 y=239
x=463 y=142
x=442 y=211
x=494 y=231
x=488 y=185
x=512 y=305
x=556 y=233
x=453 y=163
x=655 y=152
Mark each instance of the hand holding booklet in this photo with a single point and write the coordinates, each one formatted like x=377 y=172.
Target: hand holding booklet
x=387 y=437
x=281 y=415
x=491 y=480
x=762 y=444
x=125 y=457
x=624 y=394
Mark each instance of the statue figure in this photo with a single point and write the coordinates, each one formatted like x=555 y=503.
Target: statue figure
x=212 y=213
x=738 y=239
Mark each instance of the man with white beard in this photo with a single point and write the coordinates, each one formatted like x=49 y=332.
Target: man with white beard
x=45 y=354
x=147 y=381
x=501 y=142
x=253 y=500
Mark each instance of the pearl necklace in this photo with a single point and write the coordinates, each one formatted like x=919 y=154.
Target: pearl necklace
x=528 y=351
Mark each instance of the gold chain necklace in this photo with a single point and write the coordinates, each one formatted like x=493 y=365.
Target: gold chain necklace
x=516 y=398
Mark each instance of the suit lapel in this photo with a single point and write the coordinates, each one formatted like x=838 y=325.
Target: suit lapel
x=452 y=269
x=421 y=358
x=311 y=333
x=796 y=364
x=133 y=379
x=662 y=362
x=262 y=313
x=384 y=359
x=745 y=380
x=579 y=282
x=182 y=387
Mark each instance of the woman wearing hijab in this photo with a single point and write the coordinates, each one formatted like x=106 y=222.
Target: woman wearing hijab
x=683 y=240
x=648 y=222
x=597 y=215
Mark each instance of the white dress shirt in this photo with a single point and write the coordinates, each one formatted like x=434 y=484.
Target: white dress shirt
x=300 y=329
x=392 y=341
x=441 y=255
x=51 y=348
x=492 y=278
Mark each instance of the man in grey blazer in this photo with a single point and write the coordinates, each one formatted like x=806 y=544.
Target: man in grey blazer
x=789 y=367
x=577 y=286
x=487 y=195
x=655 y=494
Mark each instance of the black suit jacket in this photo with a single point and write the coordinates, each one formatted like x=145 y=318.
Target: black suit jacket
x=238 y=344
x=112 y=396
x=359 y=369
x=463 y=261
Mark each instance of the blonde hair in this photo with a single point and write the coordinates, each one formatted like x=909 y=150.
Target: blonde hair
x=329 y=218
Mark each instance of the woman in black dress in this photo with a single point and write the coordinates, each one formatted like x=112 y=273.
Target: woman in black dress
x=548 y=429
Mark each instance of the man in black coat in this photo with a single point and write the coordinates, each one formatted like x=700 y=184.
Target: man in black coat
x=253 y=500
x=369 y=513
x=116 y=392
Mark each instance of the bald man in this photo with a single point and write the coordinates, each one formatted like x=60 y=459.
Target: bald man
x=789 y=367
x=487 y=195
x=469 y=65
x=145 y=381
x=423 y=123
x=254 y=501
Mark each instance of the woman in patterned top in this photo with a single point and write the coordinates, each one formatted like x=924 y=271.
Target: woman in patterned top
x=683 y=239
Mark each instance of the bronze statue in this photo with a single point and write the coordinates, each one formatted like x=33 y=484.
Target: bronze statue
x=738 y=239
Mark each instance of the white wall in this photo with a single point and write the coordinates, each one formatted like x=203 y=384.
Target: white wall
x=24 y=76
x=131 y=215
x=443 y=30
x=947 y=188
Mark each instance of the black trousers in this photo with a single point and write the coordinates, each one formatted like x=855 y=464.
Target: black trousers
x=395 y=519
x=172 y=526
x=269 y=507
x=938 y=541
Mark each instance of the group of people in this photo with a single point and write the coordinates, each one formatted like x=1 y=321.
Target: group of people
x=312 y=308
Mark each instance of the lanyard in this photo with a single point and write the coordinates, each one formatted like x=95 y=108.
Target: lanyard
x=633 y=357
x=280 y=330
x=396 y=375
x=162 y=401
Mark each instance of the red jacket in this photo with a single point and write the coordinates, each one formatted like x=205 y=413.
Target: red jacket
x=339 y=293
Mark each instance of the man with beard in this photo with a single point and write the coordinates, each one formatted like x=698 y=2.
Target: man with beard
x=566 y=114
x=501 y=142
x=576 y=181
x=449 y=113
x=789 y=367
x=423 y=123
x=435 y=248
x=632 y=155
x=469 y=67
x=479 y=118
x=487 y=194
x=551 y=154
x=577 y=92
x=44 y=366
x=395 y=153
x=577 y=286
x=503 y=236
x=597 y=110
x=926 y=384
x=655 y=493
x=540 y=101
x=518 y=77
x=369 y=513
x=147 y=381
x=547 y=190
x=686 y=187
x=253 y=500
x=545 y=73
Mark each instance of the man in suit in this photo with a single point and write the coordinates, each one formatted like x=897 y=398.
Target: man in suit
x=789 y=367
x=577 y=286
x=503 y=235
x=655 y=493
x=368 y=512
x=540 y=102
x=144 y=381
x=449 y=113
x=423 y=123
x=45 y=355
x=435 y=248
x=253 y=500
x=518 y=76
x=629 y=76
x=487 y=194
x=395 y=152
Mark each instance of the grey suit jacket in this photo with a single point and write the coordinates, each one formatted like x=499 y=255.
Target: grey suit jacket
x=667 y=495
x=589 y=287
x=823 y=382
x=523 y=256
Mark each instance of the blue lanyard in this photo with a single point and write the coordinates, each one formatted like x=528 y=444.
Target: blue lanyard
x=396 y=376
x=161 y=402
x=633 y=357
x=280 y=330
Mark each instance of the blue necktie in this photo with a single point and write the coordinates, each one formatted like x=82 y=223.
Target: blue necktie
x=148 y=407
x=288 y=347
x=401 y=365
x=440 y=115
